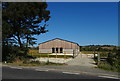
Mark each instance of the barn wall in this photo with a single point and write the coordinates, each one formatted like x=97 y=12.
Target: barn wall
x=68 y=47
x=58 y=43
x=45 y=50
x=68 y=51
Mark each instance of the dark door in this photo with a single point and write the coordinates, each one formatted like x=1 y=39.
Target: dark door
x=61 y=50
x=53 y=50
x=56 y=50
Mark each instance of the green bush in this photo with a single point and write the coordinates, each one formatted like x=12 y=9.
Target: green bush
x=103 y=54
x=35 y=62
x=51 y=63
x=106 y=66
x=13 y=53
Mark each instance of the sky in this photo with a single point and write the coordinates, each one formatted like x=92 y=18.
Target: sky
x=86 y=23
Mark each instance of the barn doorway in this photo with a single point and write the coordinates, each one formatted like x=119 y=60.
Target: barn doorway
x=61 y=50
x=53 y=50
x=56 y=50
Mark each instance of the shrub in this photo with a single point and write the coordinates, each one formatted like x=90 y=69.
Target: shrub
x=105 y=66
x=14 y=53
x=35 y=62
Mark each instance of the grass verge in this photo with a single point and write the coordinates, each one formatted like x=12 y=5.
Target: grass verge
x=34 y=63
x=52 y=56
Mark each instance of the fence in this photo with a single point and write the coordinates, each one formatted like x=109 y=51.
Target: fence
x=104 y=55
x=75 y=52
x=65 y=53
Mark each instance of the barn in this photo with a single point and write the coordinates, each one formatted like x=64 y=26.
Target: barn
x=59 y=46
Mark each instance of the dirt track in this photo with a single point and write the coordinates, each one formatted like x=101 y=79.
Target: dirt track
x=83 y=60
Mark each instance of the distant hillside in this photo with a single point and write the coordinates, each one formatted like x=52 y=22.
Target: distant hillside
x=99 y=47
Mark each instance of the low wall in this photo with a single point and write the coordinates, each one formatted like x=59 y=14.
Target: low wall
x=54 y=60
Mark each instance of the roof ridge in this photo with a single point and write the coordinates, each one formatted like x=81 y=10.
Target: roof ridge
x=59 y=39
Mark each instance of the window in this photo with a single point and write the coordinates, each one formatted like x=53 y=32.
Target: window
x=61 y=50
x=53 y=50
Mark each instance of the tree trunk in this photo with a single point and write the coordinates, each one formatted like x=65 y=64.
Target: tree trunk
x=27 y=41
x=19 y=41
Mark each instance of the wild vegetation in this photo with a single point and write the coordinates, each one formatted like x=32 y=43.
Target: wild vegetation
x=109 y=56
x=99 y=48
x=34 y=63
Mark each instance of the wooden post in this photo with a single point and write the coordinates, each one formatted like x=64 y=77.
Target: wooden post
x=81 y=54
x=64 y=56
x=56 y=55
x=94 y=54
x=48 y=56
x=98 y=59
x=40 y=56
x=56 y=58
x=73 y=54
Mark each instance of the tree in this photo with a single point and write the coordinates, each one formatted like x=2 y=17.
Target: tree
x=21 y=21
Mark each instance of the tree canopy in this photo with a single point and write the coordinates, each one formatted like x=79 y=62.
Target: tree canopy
x=23 y=20
x=20 y=22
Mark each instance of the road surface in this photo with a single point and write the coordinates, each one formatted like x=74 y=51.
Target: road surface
x=29 y=73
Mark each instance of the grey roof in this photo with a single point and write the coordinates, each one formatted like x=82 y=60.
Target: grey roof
x=59 y=39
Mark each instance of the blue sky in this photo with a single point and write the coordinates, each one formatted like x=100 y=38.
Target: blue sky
x=86 y=23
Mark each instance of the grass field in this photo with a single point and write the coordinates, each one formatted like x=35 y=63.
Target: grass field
x=92 y=52
x=102 y=53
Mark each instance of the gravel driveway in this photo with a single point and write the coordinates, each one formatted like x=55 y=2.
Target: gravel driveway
x=82 y=60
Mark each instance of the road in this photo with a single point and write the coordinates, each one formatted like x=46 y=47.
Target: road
x=29 y=73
